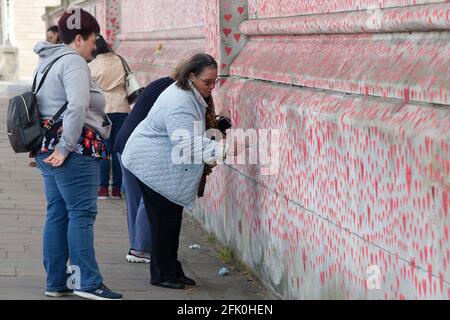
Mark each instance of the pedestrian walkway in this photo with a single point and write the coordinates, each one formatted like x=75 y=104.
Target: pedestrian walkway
x=22 y=214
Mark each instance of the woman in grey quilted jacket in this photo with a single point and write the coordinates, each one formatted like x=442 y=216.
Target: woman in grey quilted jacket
x=167 y=152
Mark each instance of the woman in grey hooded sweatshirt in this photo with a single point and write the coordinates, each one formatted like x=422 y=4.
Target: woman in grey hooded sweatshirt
x=69 y=158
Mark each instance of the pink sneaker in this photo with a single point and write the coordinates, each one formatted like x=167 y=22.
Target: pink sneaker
x=103 y=193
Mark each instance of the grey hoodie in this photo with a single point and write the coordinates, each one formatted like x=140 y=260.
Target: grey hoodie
x=69 y=80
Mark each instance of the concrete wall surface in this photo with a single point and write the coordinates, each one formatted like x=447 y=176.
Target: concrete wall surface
x=355 y=202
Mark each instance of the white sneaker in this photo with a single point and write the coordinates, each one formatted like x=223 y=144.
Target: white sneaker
x=138 y=256
x=59 y=294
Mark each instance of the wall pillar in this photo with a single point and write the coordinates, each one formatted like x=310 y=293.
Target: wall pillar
x=9 y=57
x=113 y=21
x=225 y=41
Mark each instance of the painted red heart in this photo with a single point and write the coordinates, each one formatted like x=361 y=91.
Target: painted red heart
x=241 y=10
x=113 y=20
x=237 y=36
x=224 y=65
x=108 y=33
x=228 y=50
x=228 y=17
x=226 y=31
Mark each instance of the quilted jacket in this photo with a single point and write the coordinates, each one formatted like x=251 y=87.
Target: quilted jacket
x=167 y=150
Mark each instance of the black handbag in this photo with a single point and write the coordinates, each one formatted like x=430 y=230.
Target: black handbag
x=23 y=120
x=224 y=123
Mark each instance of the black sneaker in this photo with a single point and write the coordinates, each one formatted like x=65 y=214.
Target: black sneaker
x=101 y=293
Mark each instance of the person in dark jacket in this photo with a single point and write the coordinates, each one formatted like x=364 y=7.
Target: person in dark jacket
x=138 y=223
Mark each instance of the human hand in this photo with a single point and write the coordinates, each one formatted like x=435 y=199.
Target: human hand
x=212 y=165
x=56 y=159
x=32 y=163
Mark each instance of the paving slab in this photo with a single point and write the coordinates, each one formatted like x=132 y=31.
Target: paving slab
x=22 y=216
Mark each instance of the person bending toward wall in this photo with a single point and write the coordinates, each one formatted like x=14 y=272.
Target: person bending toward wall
x=167 y=184
x=138 y=224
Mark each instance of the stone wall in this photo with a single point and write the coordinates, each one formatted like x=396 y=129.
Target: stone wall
x=357 y=206
x=156 y=35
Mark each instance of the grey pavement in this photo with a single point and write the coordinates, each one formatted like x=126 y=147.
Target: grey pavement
x=22 y=215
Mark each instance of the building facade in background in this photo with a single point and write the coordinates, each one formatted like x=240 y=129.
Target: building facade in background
x=22 y=25
x=356 y=202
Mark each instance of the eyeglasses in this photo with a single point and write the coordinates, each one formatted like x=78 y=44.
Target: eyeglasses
x=210 y=82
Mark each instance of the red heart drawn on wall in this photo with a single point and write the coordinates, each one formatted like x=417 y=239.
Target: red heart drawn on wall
x=228 y=50
x=226 y=31
x=108 y=33
x=241 y=10
x=228 y=17
x=224 y=65
x=237 y=36
x=113 y=20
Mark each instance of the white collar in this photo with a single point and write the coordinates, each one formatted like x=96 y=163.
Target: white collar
x=197 y=95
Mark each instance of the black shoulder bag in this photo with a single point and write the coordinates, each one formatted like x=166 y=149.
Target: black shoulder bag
x=23 y=121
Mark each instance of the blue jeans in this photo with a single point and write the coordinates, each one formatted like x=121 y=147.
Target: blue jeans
x=71 y=192
x=117 y=120
x=138 y=224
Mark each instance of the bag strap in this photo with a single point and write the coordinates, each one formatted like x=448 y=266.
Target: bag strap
x=45 y=75
x=55 y=118
x=126 y=67
x=124 y=63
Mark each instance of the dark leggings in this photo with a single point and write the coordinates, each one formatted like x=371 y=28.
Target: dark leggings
x=165 y=225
